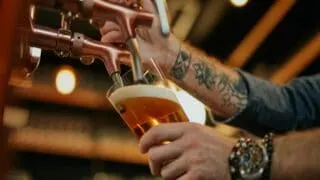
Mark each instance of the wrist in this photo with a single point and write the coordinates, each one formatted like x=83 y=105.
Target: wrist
x=278 y=167
x=170 y=54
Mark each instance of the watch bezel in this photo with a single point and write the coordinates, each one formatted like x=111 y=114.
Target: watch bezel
x=259 y=173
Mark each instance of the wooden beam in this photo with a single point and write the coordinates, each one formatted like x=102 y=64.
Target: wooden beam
x=259 y=33
x=76 y=145
x=298 y=62
x=80 y=98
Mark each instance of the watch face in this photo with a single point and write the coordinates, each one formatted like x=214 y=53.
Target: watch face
x=248 y=160
x=252 y=161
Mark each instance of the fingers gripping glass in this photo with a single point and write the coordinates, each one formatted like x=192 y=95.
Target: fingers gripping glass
x=146 y=104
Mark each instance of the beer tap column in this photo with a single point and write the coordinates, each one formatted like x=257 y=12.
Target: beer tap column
x=161 y=6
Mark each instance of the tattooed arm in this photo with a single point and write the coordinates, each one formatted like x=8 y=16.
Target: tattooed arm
x=262 y=104
x=224 y=90
x=220 y=87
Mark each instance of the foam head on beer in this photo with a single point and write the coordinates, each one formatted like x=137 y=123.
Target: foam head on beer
x=145 y=106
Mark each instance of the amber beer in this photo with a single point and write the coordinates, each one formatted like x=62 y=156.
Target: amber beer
x=145 y=106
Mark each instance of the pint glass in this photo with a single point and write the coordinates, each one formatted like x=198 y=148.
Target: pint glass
x=145 y=105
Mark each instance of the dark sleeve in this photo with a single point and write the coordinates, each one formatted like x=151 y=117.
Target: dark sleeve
x=280 y=108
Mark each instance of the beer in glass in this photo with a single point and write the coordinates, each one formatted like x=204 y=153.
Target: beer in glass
x=143 y=106
x=148 y=103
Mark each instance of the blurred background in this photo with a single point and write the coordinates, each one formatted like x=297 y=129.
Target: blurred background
x=62 y=126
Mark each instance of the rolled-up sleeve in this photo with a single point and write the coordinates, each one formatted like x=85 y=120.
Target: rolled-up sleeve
x=280 y=108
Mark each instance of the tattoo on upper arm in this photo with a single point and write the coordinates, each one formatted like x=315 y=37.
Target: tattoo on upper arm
x=181 y=66
x=214 y=79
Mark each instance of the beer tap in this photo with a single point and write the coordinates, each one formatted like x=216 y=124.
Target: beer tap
x=78 y=45
x=100 y=11
x=128 y=18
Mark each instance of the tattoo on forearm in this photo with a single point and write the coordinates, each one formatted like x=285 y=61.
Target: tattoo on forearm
x=181 y=66
x=230 y=95
x=217 y=80
x=204 y=75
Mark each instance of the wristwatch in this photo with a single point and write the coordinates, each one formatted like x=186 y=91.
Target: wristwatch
x=249 y=160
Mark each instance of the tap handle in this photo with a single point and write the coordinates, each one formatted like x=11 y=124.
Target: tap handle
x=161 y=6
x=127 y=17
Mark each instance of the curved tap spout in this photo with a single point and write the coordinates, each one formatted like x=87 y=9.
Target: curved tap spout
x=79 y=46
x=101 y=10
x=109 y=54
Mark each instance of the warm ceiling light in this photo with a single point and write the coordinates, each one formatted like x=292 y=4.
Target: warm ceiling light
x=239 y=3
x=65 y=80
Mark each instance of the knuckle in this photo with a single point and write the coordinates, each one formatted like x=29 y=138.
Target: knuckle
x=153 y=155
x=154 y=136
x=154 y=133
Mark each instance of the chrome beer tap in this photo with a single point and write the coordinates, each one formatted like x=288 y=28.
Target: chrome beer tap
x=101 y=10
x=80 y=46
x=77 y=45
x=129 y=17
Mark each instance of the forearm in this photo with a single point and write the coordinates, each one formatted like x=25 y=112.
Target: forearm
x=207 y=79
x=297 y=156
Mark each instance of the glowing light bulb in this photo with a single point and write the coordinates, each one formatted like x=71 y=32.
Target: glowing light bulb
x=65 y=80
x=239 y=3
